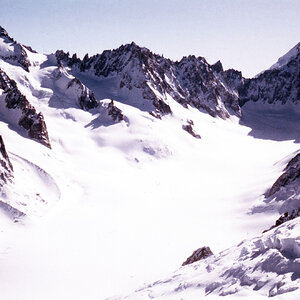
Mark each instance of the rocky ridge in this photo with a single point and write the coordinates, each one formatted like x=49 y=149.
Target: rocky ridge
x=191 y=81
x=14 y=53
x=276 y=85
x=24 y=114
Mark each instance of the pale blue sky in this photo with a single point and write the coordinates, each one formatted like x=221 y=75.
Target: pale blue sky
x=248 y=35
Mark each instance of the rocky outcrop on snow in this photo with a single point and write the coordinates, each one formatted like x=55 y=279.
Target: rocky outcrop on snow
x=286 y=217
x=115 y=113
x=6 y=168
x=283 y=196
x=70 y=90
x=291 y=173
x=267 y=265
x=152 y=78
x=19 y=111
x=86 y=98
x=197 y=255
x=189 y=128
x=13 y=52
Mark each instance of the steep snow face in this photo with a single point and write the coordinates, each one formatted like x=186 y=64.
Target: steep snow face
x=146 y=80
x=267 y=265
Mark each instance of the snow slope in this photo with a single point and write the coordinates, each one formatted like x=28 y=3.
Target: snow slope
x=118 y=202
x=267 y=265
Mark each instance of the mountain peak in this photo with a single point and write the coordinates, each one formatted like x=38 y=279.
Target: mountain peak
x=3 y=32
x=285 y=59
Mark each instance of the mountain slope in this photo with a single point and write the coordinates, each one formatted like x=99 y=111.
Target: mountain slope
x=146 y=80
x=149 y=160
x=267 y=265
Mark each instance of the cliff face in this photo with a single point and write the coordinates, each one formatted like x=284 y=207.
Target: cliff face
x=21 y=112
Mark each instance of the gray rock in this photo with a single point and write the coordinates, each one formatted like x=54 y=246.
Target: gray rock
x=6 y=168
x=30 y=120
x=199 y=254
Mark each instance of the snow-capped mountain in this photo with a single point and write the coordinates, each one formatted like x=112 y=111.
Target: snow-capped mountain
x=280 y=84
x=115 y=167
x=146 y=80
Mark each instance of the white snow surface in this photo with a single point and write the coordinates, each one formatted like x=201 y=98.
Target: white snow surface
x=268 y=265
x=115 y=205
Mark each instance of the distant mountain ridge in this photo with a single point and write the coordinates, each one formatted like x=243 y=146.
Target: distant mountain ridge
x=191 y=81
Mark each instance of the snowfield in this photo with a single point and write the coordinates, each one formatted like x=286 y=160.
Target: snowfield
x=266 y=265
x=114 y=205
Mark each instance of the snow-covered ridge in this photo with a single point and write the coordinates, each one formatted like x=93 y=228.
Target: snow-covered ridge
x=151 y=78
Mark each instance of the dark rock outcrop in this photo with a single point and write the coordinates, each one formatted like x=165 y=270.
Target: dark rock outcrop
x=189 y=128
x=87 y=99
x=115 y=113
x=29 y=119
x=199 y=254
x=18 y=55
x=291 y=173
x=285 y=217
x=6 y=168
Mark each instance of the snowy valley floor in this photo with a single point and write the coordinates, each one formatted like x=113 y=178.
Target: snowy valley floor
x=126 y=204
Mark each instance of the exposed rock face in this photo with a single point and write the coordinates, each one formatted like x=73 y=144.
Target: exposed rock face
x=115 y=113
x=285 y=217
x=291 y=173
x=26 y=114
x=6 y=168
x=87 y=98
x=199 y=254
x=189 y=128
x=283 y=196
x=190 y=81
x=275 y=85
x=14 y=52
